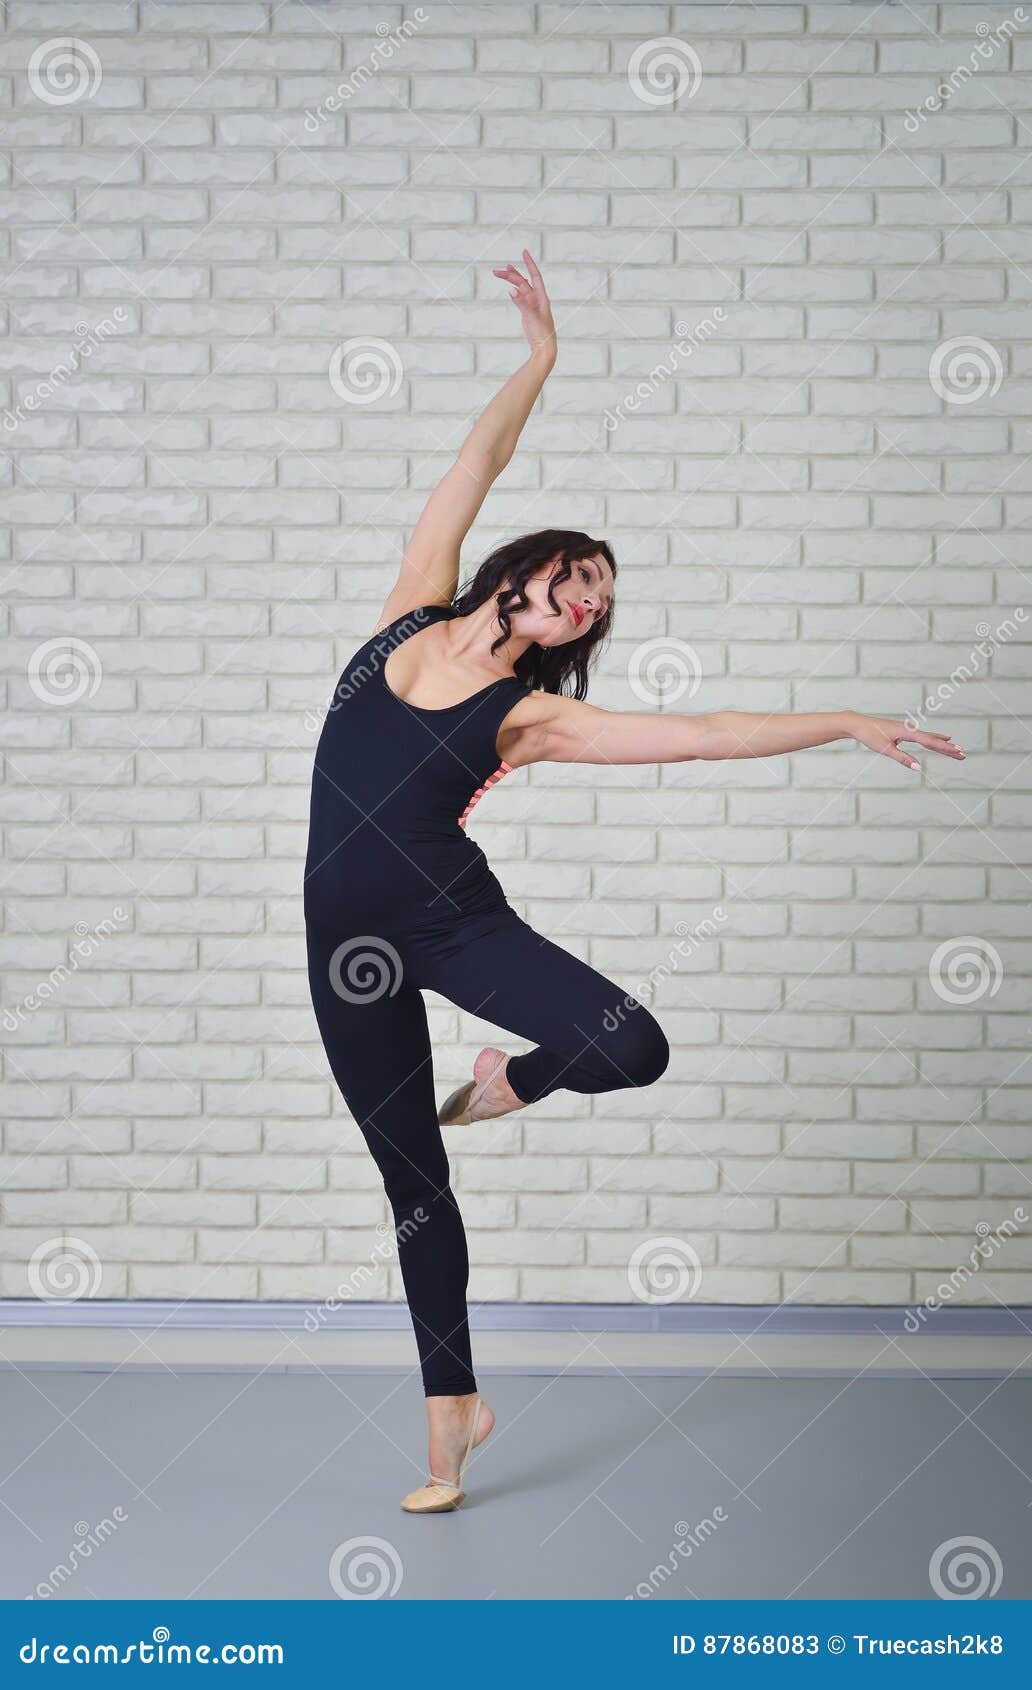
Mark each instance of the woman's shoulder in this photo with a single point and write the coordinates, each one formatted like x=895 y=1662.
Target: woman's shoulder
x=522 y=737
x=421 y=612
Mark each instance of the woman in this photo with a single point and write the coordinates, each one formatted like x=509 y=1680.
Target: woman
x=448 y=693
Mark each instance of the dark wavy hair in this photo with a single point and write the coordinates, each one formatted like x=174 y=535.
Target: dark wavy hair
x=503 y=576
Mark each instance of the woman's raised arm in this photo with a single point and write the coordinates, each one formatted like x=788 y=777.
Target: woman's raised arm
x=429 y=571
x=551 y=729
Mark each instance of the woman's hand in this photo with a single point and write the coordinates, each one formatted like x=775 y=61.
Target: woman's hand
x=883 y=734
x=532 y=302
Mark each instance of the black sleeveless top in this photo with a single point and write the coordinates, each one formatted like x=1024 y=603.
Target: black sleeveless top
x=387 y=852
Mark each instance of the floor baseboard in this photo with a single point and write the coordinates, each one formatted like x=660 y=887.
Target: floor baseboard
x=741 y=1319
x=587 y=1340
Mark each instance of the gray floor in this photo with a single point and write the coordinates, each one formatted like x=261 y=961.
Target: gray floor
x=242 y=1485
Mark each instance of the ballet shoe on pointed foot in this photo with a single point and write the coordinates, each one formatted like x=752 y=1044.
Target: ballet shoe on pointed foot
x=477 y=1100
x=439 y=1496
x=454 y=1111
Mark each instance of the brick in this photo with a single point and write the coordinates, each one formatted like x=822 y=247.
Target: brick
x=796 y=503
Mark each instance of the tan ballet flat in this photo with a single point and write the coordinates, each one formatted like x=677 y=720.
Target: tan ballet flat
x=438 y=1496
x=454 y=1111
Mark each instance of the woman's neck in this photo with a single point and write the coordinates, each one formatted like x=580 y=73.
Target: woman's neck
x=472 y=636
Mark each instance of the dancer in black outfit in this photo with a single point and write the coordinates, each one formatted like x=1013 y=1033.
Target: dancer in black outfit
x=448 y=694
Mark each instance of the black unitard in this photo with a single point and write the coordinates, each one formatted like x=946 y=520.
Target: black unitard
x=398 y=898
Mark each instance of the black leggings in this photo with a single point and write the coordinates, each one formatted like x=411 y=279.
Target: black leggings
x=590 y=1037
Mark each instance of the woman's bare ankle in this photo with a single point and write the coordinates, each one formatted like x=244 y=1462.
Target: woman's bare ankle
x=450 y=1421
x=443 y=1407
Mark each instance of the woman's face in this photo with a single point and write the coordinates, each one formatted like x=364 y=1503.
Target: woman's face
x=583 y=598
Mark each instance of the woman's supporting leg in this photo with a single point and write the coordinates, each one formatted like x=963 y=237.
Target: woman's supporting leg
x=379 y=1051
x=590 y=1035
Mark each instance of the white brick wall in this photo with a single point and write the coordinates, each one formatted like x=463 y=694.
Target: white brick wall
x=799 y=504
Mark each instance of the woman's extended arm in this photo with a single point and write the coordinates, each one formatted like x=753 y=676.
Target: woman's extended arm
x=430 y=568
x=550 y=729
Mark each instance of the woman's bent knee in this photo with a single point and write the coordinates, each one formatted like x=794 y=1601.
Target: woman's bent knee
x=639 y=1048
x=653 y=1056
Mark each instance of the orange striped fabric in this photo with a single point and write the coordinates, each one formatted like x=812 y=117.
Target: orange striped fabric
x=502 y=770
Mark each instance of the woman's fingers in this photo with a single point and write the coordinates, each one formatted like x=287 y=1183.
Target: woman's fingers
x=940 y=742
x=901 y=756
x=885 y=735
x=535 y=274
x=511 y=275
x=530 y=292
x=887 y=744
x=931 y=740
